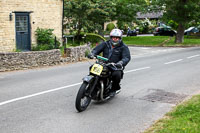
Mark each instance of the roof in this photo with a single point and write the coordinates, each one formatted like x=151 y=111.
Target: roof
x=149 y=15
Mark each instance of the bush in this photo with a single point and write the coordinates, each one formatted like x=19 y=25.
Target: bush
x=45 y=39
x=87 y=52
x=41 y=47
x=110 y=27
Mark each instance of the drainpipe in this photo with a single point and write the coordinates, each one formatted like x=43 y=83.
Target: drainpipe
x=63 y=37
x=62 y=24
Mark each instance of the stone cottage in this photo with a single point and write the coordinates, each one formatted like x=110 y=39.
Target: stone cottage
x=20 y=18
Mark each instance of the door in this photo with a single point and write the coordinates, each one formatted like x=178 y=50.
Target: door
x=22 y=26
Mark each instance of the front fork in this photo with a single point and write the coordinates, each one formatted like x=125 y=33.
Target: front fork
x=94 y=79
x=102 y=90
x=91 y=79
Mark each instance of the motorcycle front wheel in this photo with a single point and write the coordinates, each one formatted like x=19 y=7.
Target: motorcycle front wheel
x=82 y=98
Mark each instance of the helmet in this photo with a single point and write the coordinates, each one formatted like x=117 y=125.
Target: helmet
x=116 y=33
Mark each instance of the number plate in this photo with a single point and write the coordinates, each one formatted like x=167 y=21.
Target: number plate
x=96 y=69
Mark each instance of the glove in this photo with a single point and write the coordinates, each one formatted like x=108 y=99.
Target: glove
x=90 y=56
x=119 y=64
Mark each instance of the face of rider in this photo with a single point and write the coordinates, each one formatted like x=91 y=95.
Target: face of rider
x=115 y=40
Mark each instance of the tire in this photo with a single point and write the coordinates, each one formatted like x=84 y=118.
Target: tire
x=82 y=101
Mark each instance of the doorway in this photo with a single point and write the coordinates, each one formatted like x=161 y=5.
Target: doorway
x=23 y=36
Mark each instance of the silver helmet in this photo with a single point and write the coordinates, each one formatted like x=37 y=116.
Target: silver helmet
x=116 y=33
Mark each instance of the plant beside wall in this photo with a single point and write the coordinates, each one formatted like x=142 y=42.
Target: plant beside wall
x=46 y=40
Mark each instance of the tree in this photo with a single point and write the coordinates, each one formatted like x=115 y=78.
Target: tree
x=126 y=10
x=181 y=12
x=101 y=12
x=75 y=13
x=88 y=15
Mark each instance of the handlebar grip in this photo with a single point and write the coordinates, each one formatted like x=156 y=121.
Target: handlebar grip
x=102 y=58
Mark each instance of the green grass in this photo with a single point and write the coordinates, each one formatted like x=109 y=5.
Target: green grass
x=185 y=118
x=187 y=42
x=145 y=40
x=159 y=41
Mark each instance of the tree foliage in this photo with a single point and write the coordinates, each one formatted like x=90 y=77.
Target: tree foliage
x=126 y=11
x=88 y=15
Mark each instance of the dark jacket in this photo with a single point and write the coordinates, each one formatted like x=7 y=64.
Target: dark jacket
x=116 y=54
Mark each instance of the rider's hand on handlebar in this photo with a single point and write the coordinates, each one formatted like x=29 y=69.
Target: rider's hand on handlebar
x=91 y=56
x=119 y=64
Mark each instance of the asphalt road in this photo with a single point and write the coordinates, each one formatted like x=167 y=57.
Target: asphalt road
x=42 y=100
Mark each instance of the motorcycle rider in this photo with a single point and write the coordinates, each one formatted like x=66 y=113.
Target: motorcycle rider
x=128 y=31
x=117 y=52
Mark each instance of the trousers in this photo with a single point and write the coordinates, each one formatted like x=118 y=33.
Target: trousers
x=116 y=78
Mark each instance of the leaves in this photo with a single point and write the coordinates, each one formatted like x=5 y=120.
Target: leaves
x=88 y=15
x=45 y=39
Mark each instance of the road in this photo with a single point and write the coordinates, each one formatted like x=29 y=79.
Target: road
x=42 y=100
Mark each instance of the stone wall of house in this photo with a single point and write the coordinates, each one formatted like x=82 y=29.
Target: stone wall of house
x=44 y=14
x=10 y=61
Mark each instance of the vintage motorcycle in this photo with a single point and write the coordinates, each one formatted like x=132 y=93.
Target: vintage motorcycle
x=97 y=85
x=132 y=32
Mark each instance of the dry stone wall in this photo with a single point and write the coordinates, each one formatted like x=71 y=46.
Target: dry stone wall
x=10 y=61
x=26 y=60
x=77 y=53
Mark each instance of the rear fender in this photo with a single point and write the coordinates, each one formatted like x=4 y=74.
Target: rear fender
x=88 y=78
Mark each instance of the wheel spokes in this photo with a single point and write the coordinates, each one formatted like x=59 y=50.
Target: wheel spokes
x=84 y=101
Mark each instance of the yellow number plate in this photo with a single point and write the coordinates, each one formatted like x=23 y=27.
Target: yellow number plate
x=96 y=69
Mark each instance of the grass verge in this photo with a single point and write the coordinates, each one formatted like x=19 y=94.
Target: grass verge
x=145 y=40
x=187 y=42
x=185 y=118
x=159 y=41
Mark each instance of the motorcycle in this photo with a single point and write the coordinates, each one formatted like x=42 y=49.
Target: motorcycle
x=132 y=32
x=97 y=85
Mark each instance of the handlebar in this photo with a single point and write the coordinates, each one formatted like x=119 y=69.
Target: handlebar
x=91 y=56
x=114 y=65
x=106 y=62
x=102 y=58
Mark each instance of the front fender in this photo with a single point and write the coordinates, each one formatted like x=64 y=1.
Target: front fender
x=88 y=78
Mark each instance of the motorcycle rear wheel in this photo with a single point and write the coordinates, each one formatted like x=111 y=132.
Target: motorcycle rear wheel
x=82 y=100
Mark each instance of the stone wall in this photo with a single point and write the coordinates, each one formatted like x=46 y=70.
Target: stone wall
x=77 y=53
x=10 y=61
x=26 y=60
x=44 y=14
